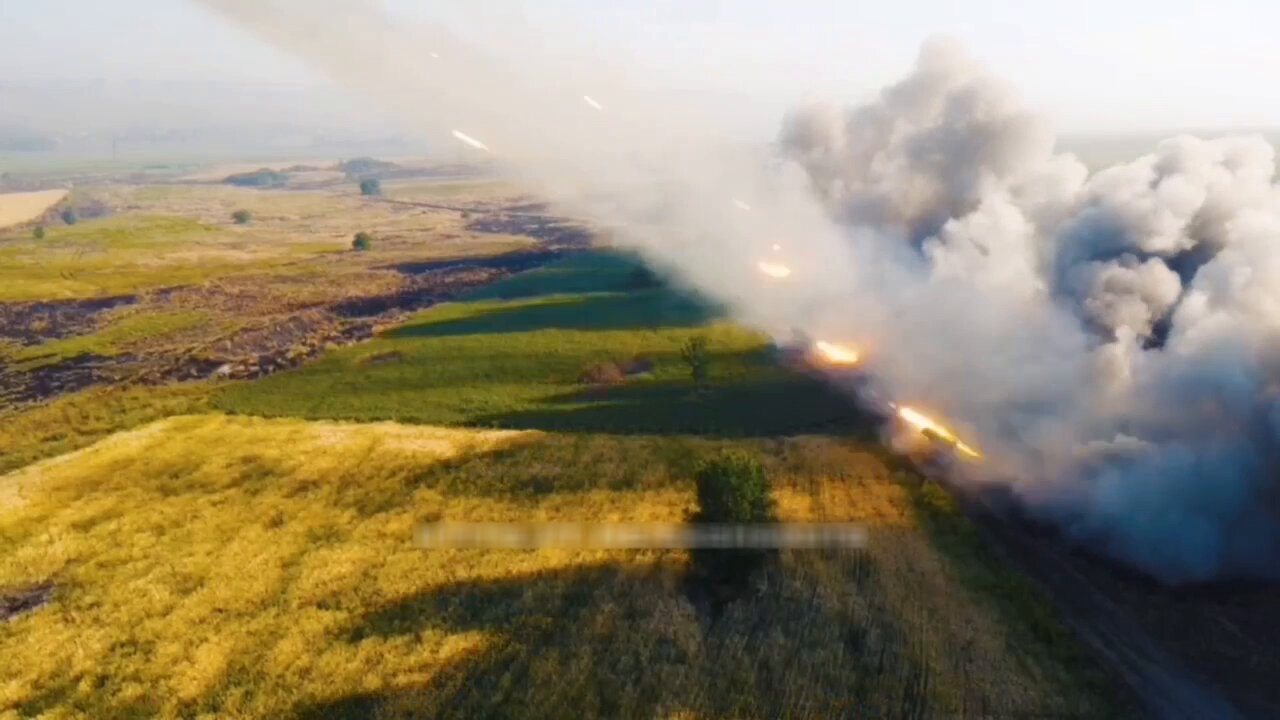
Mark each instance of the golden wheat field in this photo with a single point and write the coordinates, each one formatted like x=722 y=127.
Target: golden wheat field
x=23 y=207
x=216 y=566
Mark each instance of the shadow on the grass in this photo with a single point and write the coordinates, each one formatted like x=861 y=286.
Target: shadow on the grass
x=779 y=405
x=618 y=640
x=648 y=309
x=594 y=271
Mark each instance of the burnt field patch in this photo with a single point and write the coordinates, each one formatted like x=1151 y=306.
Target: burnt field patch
x=234 y=329
x=29 y=323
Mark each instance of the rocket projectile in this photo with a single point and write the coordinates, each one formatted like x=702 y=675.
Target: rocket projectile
x=470 y=141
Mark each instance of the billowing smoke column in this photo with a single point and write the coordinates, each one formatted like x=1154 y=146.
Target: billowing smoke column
x=1110 y=342
x=1159 y=440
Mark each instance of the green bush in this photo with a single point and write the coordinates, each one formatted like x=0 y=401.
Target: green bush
x=363 y=242
x=70 y=216
x=38 y=233
x=733 y=487
x=370 y=187
x=242 y=217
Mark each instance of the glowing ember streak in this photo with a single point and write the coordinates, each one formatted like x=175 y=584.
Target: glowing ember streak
x=928 y=425
x=470 y=140
x=587 y=99
x=741 y=205
x=774 y=270
x=836 y=354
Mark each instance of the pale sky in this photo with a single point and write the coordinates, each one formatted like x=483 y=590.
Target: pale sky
x=1091 y=65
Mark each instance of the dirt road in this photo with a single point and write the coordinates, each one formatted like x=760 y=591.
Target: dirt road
x=1166 y=687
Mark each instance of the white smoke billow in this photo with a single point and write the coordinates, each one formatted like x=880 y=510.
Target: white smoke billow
x=1111 y=341
x=1160 y=442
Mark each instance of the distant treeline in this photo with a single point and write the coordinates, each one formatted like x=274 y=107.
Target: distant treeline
x=258 y=178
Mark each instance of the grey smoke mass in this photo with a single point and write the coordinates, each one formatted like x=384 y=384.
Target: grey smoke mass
x=1111 y=339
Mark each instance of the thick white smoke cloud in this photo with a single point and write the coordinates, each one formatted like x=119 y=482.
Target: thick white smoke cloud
x=1112 y=342
x=1162 y=447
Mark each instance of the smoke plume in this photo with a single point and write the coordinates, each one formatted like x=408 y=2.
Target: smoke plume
x=1110 y=340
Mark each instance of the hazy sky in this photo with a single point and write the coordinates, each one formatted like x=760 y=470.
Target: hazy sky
x=1090 y=64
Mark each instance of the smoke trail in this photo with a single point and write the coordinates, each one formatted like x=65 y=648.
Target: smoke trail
x=1112 y=342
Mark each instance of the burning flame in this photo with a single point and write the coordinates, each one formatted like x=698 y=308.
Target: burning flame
x=470 y=140
x=774 y=270
x=836 y=354
x=588 y=100
x=928 y=425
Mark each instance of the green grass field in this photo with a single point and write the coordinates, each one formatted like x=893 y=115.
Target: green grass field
x=75 y=421
x=515 y=363
x=252 y=556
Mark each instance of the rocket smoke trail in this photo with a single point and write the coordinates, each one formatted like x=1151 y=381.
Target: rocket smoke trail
x=467 y=139
x=1111 y=340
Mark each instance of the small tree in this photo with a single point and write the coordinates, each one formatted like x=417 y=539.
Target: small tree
x=363 y=242
x=697 y=356
x=370 y=187
x=38 y=233
x=242 y=217
x=70 y=216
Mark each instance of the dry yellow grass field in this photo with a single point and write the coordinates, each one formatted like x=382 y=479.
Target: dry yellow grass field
x=23 y=207
x=211 y=566
x=166 y=236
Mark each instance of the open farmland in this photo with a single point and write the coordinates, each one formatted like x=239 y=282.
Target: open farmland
x=167 y=285
x=273 y=572
x=24 y=207
x=279 y=581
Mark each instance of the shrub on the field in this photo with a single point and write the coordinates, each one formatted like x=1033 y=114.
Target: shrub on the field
x=733 y=487
x=362 y=242
x=601 y=373
x=38 y=233
x=70 y=216
x=242 y=217
x=370 y=187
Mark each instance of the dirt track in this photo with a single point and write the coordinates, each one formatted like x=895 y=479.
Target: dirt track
x=1161 y=682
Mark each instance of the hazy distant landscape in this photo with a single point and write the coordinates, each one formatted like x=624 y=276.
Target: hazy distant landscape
x=380 y=359
x=259 y=367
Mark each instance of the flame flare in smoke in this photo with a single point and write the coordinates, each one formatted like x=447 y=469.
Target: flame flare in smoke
x=834 y=354
x=470 y=141
x=929 y=426
x=590 y=101
x=774 y=270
